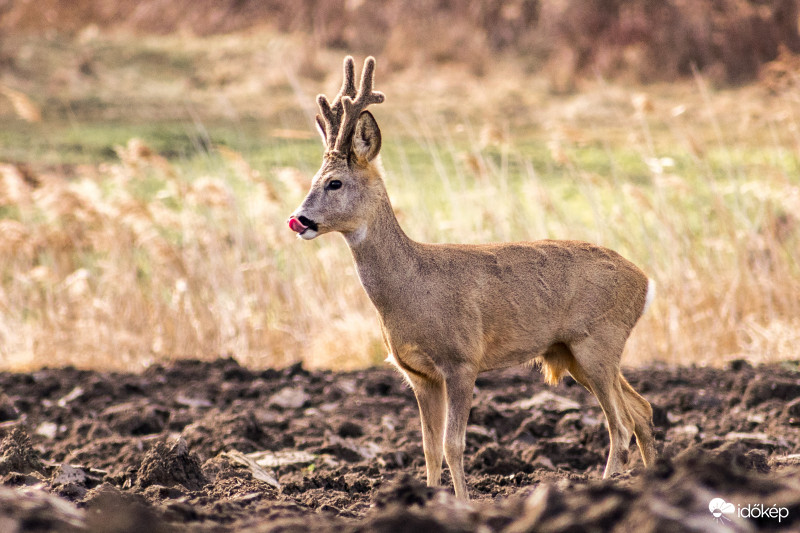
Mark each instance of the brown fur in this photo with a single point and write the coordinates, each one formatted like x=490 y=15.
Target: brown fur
x=449 y=312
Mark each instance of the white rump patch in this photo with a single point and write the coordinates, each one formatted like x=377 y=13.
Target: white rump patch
x=651 y=294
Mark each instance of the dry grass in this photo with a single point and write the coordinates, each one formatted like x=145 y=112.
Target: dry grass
x=148 y=258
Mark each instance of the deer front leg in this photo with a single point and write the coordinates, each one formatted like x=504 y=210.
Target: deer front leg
x=459 y=400
x=431 y=400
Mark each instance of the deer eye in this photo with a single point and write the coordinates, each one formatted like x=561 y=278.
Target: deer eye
x=333 y=185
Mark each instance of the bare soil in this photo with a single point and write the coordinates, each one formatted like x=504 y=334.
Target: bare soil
x=214 y=446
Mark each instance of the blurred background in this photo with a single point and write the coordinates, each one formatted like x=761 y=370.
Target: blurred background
x=645 y=40
x=151 y=151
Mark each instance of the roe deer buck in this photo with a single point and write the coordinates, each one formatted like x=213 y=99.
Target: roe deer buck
x=450 y=311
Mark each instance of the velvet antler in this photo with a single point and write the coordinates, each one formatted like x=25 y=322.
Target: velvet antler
x=338 y=120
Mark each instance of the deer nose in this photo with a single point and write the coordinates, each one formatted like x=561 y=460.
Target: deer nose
x=307 y=222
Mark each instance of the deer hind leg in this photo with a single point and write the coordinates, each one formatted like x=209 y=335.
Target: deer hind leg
x=642 y=414
x=430 y=395
x=596 y=367
x=459 y=386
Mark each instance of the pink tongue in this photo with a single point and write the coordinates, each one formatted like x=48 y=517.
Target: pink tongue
x=296 y=226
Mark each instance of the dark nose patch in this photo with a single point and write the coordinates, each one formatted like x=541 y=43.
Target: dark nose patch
x=308 y=223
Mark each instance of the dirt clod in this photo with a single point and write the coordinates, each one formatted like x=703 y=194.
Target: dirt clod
x=17 y=454
x=767 y=388
x=110 y=510
x=170 y=465
x=8 y=410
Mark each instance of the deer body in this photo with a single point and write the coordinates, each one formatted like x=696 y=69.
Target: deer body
x=449 y=311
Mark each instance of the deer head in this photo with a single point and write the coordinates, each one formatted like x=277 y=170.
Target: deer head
x=344 y=189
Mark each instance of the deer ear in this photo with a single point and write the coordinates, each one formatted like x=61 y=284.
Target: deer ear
x=366 y=137
x=321 y=130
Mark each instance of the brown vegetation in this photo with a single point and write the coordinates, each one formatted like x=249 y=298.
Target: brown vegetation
x=647 y=40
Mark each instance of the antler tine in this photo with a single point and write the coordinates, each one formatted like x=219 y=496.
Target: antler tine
x=332 y=113
x=354 y=107
x=366 y=95
x=349 y=82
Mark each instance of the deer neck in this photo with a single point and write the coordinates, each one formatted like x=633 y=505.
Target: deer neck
x=383 y=254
